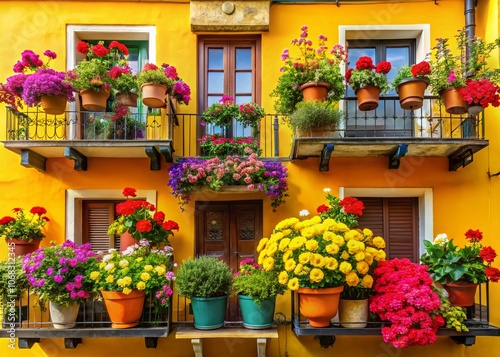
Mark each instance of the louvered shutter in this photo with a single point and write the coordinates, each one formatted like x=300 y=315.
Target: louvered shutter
x=97 y=216
x=396 y=220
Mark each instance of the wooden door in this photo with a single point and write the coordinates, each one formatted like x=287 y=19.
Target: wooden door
x=229 y=231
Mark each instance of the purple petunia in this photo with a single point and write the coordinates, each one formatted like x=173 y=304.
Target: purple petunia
x=58 y=278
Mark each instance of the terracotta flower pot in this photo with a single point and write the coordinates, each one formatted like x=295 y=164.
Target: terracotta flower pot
x=94 y=101
x=453 y=101
x=124 y=310
x=368 y=98
x=23 y=247
x=127 y=99
x=315 y=91
x=411 y=93
x=319 y=306
x=53 y=105
x=461 y=294
x=153 y=95
x=126 y=240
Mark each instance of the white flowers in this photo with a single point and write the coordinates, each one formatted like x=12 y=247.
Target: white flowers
x=327 y=190
x=441 y=239
x=304 y=213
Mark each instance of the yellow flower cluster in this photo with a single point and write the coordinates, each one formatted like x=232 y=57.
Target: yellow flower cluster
x=316 y=253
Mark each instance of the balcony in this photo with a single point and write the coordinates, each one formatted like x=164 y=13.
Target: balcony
x=165 y=135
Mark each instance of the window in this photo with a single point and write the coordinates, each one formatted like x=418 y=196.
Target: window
x=229 y=66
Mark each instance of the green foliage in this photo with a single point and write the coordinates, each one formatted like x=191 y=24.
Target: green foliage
x=24 y=225
x=126 y=83
x=454 y=316
x=91 y=74
x=314 y=114
x=156 y=76
x=204 y=276
x=403 y=73
x=362 y=78
x=213 y=145
x=13 y=280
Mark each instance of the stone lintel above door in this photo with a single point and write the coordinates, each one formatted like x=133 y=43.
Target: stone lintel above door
x=230 y=16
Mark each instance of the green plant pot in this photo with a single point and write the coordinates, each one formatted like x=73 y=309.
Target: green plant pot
x=255 y=316
x=209 y=313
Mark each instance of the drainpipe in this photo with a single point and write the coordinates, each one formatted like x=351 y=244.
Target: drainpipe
x=470 y=21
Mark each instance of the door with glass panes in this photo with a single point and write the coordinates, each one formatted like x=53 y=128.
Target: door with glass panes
x=388 y=120
x=229 y=65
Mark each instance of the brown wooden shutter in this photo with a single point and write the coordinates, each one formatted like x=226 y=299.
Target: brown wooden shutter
x=396 y=220
x=97 y=216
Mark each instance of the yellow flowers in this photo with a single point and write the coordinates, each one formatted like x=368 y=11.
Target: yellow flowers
x=315 y=253
x=95 y=275
x=145 y=276
x=140 y=285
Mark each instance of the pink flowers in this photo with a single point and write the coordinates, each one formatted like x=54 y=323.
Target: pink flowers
x=405 y=298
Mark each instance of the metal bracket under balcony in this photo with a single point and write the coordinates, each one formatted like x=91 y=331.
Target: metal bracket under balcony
x=458 y=151
x=34 y=153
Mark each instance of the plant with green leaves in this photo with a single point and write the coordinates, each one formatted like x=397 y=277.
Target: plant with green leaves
x=314 y=114
x=13 y=280
x=203 y=276
x=417 y=71
x=367 y=74
x=151 y=73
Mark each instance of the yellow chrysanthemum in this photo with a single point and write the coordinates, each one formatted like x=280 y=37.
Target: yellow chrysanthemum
x=379 y=242
x=353 y=234
x=140 y=285
x=123 y=263
x=371 y=250
x=283 y=278
x=262 y=256
x=368 y=258
x=273 y=248
x=148 y=267
x=312 y=245
x=296 y=243
x=362 y=267
x=331 y=263
x=290 y=265
x=286 y=232
x=345 y=267
x=138 y=260
x=354 y=246
x=342 y=227
x=380 y=255
x=160 y=270
x=299 y=269
x=304 y=257
x=352 y=279
x=298 y=226
x=102 y=265
x=330 y=223
x=317 y=260
x=308 y=232
x=293 y=284
x=145 y=276
x=262 y=244
x=320 y=228
x=332 y=249
x=305 y=270
x=126 y=291
x=286 y=223
x=95 y=275
x=367 y=233
x=359 y=256
x=328 y=236
x=367 y=281
x=284 y=244
x=110 y=279
x=287 y=255
x=268 y=264
x=338 y=239
x=316 y=275
x=344 y=255
x=315 y=219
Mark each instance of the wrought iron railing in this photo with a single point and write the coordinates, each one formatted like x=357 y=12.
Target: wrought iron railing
x=387 y=121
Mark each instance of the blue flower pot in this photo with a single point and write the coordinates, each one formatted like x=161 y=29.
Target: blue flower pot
x=255 y=316
x=209 y=313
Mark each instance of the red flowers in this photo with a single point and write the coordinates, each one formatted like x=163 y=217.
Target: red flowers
x=322 y=208
x=6 y=220
x=383 y=67
x=421 y=69
x=493 y=274
x=144 y=226
x=83 y=47
x=474 y=236
x=352 y=205
x=119 y=46
x=348 y=75
x=100 y=50
x=482 y=92
x=488 y=254
x=170 y=225
x=149 y=67
x=365 y=62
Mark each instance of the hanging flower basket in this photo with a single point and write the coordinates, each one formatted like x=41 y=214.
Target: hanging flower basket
x=315 y=91
x=53 y=105
x=127 y=99
x=368 y=98
x=153 y=95
x=411 y=93
x=94 y=101
x=453 y=101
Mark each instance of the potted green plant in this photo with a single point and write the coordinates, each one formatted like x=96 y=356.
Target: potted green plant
x=124 y=279
x=461 y=268
x=91 y=76
x=315 y=68
x=222 y=113
x=314 y=118
x=213 y=145
x=59 y=275
x=410 y=83
x=23 y=231
x=368 y=81
x=257 y=291
x=154 y=84
x=136 y=218
x=250 y=115
x=13 y=291
x=206 y=281
x=125 y=85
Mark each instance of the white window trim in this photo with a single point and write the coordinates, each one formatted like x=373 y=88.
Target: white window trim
x=74 y=199
x=76 y=33
x=425 y=206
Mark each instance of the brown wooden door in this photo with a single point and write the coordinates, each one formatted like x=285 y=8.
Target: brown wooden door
x=396 y=220
x=229 y=231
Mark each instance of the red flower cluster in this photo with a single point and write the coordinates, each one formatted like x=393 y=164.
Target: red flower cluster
x=421 y=69
x=404 y=297
x=493 y=274
x=383 y=67
x=149 y=67
x=322 y=208
x=119 y=46
x=348 y=75
x=474 y=235
x=482 y=92
x=365 y=62
x=352 y=205
x=488 y=254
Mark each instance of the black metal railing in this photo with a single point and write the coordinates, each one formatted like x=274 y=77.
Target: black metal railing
x=387 y=121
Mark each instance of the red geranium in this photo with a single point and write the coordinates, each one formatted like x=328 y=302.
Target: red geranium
x=383 y=67
x=100 y=50
x=421 y=69
x=352 y=205
x=482 y=92
x=488 y=254
x=83 y=47
x=144 y=226
x=344 y=211
x=365 y=62
x=322 y=208
x=493 y=274
x=348 y=74
x=474 y=235
x=119 y=46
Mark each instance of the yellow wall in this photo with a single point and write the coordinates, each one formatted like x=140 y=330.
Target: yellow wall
x=462 y=200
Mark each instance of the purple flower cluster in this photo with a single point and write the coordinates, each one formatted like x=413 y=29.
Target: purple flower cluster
x=46 y=81
x=189 y=174
x=58 y=272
